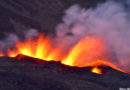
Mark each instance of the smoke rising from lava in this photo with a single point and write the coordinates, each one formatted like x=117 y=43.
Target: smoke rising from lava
x=109 y=21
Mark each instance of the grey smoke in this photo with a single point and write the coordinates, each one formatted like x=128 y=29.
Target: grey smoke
x=31 y=33
x=12 y=38
x=8 y=42
x=108 y=20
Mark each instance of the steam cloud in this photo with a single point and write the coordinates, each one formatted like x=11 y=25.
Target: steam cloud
x=109 y=20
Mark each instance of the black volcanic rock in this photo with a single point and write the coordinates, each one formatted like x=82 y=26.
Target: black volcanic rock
x=29 y=75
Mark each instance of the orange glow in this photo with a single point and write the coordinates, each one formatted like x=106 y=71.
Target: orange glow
x=12 y=53
x=103 y=62
x=89 y=51
x=38 y=48
x=56 y=54
x=1 y=54
x=96 y=70
x=43 y=47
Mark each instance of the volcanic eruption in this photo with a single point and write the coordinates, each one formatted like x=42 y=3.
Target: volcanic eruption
x=89 y=49
x=89 y=43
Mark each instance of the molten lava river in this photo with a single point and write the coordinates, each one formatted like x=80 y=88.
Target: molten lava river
x=88 y=51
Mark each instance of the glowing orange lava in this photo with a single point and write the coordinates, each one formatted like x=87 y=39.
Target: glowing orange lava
x=1 y=54
x=96 y=70
x=38 y=48
x=89 y=51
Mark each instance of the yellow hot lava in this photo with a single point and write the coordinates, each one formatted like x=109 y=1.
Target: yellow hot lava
x=39 y=48
x=96 y=70
x=87 y=50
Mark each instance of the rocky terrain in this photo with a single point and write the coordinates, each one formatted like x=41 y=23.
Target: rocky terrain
x=35 y=74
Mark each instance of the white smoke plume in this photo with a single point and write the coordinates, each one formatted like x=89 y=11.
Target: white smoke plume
x=108 y=20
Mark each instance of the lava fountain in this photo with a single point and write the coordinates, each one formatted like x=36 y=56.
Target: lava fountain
x=89 y=51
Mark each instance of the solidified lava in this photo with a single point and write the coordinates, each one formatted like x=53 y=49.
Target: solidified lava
x=100 y=69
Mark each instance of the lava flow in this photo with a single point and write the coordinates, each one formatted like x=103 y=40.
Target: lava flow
x=96 y=70
x=87 y=52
